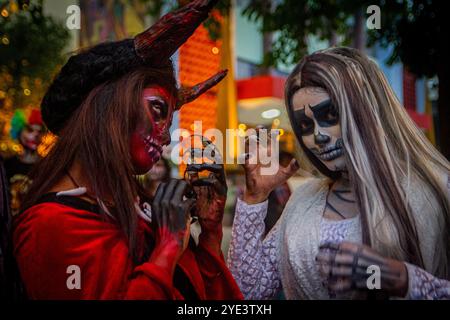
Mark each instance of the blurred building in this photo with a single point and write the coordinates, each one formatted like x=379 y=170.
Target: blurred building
x=260 y=96
x=250 y=95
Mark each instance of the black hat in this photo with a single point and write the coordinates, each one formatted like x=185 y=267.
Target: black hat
x=106 y=61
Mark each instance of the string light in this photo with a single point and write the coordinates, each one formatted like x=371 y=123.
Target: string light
x=215 y=50
x=17 y=148
x=27 y=92
x=271 y=113
x=5 y=13
x=5 y=40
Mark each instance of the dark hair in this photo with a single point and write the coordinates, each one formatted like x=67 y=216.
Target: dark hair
x=97 y=136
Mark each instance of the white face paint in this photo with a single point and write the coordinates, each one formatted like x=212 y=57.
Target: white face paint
x=318 y=122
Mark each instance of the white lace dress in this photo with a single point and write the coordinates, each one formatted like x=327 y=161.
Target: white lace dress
x=262 y=266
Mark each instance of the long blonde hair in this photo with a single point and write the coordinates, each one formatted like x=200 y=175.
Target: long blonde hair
x=385 y=151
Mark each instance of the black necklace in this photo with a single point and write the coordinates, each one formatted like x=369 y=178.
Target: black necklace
x=339 y=195
x=335 y=210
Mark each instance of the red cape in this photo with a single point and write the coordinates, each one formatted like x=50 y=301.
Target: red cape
x=49 y=237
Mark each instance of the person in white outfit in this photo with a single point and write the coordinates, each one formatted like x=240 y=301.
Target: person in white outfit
x=375 y=223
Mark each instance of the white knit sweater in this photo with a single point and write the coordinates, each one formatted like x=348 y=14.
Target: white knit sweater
x=285 y=258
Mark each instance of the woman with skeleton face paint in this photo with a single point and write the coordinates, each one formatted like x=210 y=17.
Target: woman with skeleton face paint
x=86 y=230
x=375 y=223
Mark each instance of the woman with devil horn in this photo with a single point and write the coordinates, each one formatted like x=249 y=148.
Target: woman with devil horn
x=84 y=232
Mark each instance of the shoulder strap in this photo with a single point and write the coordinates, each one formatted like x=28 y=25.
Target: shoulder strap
x=70 y=201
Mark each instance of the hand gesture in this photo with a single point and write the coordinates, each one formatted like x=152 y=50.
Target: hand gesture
x=258 y=185
x=171 y=216
x=347 y=266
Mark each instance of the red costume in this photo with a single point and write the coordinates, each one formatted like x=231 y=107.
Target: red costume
x=63 y=237
x=51 y=236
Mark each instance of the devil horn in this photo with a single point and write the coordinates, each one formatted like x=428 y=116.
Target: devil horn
x=162 y=39
x=186 y=95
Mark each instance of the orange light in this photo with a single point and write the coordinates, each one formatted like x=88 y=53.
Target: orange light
x=5 y=13
x=185 y=134
x=215 y=50
x=196 y=63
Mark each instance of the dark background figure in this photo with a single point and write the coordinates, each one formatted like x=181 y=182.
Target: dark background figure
x=5 y=222
x=159 y=173
x=28 y=132
x=14 y=181
x=279 y=196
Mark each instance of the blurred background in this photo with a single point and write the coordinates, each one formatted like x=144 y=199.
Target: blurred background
x=259 y=41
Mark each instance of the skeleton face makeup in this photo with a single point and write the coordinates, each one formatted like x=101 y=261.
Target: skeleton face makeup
x=152 y=132
x=317 y=122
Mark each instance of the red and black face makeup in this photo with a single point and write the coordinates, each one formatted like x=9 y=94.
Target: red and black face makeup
x=152 y=132
x=325 y=113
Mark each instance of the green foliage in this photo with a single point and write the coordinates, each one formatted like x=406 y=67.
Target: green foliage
x=296 y=20
x=411 y=27
x=32 y=49
x=416 y=31
x=212 y=24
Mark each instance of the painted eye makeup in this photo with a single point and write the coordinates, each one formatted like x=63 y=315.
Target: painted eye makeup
x=158 y=108
x=326 y=114
x=304 y=123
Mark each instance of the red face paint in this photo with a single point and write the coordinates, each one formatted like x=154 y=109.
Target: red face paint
x=152 y=132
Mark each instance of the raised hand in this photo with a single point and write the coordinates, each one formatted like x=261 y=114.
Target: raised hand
x=347 y=266
x=258 y=185
x=171 y=221
x=211 y=195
